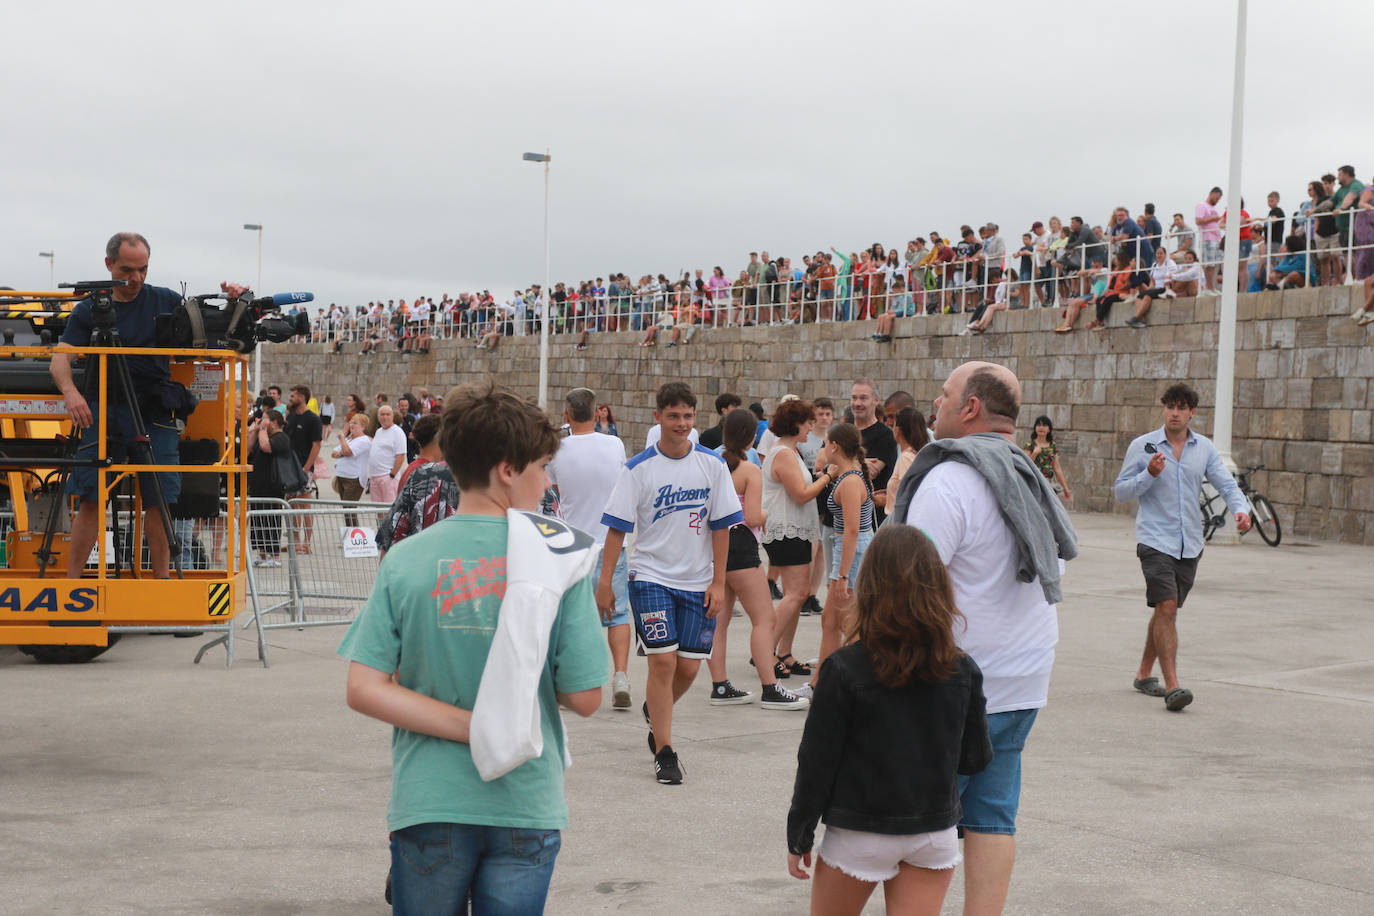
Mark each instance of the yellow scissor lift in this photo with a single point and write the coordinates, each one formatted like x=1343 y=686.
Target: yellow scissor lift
x=57 y=619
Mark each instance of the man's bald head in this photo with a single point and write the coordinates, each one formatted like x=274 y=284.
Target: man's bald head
x=978 y=397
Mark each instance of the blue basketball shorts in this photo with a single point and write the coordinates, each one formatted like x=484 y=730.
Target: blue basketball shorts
x=671 y=620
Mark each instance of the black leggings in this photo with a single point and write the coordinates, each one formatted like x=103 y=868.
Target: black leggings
x=1104 y=305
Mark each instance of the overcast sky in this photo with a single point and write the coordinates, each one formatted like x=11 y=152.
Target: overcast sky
x=380 y=144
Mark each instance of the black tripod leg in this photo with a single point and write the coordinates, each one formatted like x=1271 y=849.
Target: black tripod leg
x=142 y=441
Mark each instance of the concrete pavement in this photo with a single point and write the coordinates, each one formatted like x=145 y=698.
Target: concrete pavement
x=143 y=784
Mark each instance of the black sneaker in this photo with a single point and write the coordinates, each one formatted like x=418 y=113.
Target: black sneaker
x=774 y=590
x=653 y=745
x=1134 y=323
x=667 y=768
x=811 y=605
x=776 y=697
x=727 y=694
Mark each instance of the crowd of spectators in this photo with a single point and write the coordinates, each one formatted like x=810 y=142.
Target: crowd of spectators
x=1071 y=265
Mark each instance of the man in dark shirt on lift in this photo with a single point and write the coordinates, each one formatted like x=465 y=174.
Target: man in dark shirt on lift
x=136 y=308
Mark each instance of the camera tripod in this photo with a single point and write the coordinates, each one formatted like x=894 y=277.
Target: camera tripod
x=120 y=387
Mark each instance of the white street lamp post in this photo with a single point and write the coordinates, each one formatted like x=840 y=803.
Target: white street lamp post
x=546 y=300
x=257 y=351
x=1231 y=282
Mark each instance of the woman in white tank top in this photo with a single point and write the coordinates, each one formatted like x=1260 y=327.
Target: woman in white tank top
x=793 y=526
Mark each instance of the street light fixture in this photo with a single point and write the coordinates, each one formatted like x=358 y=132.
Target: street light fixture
x=52 y=273
x=257 y=351
x=546 y=305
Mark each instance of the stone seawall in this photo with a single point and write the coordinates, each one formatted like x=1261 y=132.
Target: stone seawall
x=1304 y=384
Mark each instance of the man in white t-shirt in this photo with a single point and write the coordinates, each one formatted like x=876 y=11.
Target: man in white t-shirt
x=680 y=500
x=584 y=472
x=1010 y=627
x=386 y=458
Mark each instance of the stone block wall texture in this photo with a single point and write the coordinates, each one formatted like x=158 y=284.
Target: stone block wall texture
x=1304 y=394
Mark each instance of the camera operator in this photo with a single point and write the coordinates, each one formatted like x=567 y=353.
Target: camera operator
x=136 y=307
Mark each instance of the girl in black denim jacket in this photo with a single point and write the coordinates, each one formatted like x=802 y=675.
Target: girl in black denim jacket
x=897 y=717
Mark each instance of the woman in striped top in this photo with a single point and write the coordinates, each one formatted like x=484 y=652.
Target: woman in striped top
x=851 y=503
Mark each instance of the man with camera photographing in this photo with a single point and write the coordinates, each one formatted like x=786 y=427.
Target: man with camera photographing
x=135 y=310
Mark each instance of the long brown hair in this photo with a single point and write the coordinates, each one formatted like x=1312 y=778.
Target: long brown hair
x=905 y=611
x=737 y=434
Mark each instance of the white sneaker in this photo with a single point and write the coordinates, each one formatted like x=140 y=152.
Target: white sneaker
x=272 y=563
x=1169 y=294
x=1368 y=318
x=1358 y=314
x=806 y=692
x=620 y=690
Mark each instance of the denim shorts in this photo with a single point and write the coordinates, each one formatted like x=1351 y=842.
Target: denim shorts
x=837 y=551
x=506 y=870
x=620 y=589
x=990 y=798
x=163 y=437
x=671 y=620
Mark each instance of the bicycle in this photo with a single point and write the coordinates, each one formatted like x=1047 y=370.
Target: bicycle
x=1263 y=518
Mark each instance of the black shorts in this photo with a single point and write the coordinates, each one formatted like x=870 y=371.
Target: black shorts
x=1166 y=578
x=744 y=550
x=788 y=552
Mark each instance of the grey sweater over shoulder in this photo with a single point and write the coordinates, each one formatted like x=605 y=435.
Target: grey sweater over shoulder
x=1044 y=535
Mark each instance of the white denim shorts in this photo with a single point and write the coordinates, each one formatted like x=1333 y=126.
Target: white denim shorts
x=878 y=856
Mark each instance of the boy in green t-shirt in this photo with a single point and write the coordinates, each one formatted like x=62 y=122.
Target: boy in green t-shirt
x=430 y=621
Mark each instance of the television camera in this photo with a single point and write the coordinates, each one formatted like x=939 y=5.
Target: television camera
x=216 y=321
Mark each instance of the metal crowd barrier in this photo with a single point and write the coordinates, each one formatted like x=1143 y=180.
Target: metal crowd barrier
x=323 y=573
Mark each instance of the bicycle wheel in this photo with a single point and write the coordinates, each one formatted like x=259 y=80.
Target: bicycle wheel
x=1209 y=524
x=1265 y=520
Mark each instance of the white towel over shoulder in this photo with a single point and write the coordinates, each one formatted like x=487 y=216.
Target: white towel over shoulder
x=544 y=558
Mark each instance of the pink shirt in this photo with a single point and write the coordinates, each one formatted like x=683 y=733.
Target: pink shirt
x=1205 y=211
x=719 y=287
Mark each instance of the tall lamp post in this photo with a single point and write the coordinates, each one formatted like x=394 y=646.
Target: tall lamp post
x=1226 y=325
x=257 y=351
x=52 y=271
x=546 y=305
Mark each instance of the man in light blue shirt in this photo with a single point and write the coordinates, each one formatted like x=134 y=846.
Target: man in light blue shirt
x=1164 y=471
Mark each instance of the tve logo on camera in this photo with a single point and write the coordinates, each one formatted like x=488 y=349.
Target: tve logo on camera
x=358 y=542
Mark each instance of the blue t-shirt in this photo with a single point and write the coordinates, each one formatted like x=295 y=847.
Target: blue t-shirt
x=1137 y=244
x=752 y=454
x=135 y=322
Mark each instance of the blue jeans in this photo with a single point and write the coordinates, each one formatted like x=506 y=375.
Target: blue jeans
x=620 y=589
x=505 y=870
x=991 y=798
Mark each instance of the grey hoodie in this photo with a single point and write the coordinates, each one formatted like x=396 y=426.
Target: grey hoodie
x=1044 y=535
